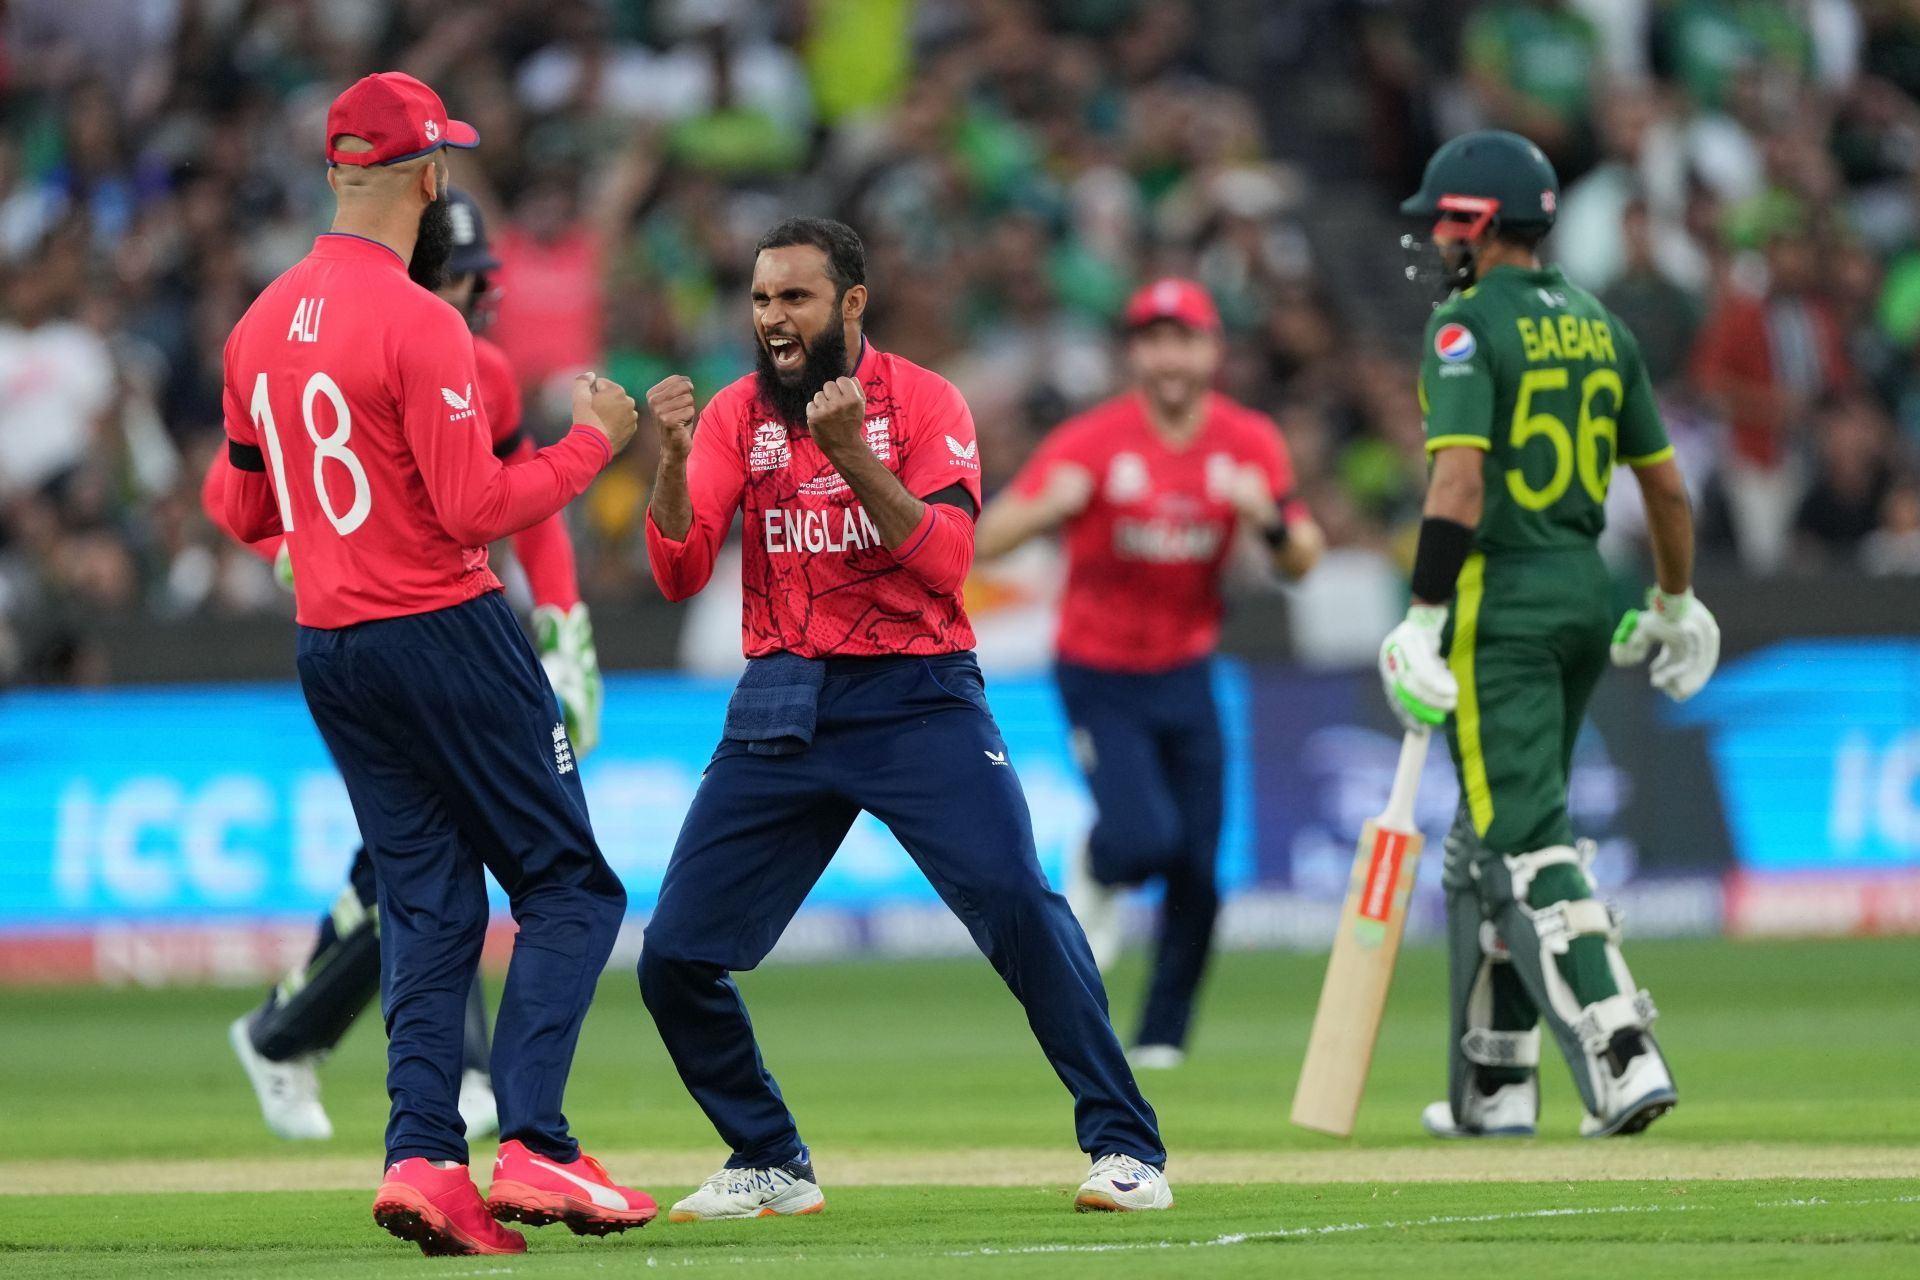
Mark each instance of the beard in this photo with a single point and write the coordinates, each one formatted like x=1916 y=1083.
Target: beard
x=789 y=392
x=1174 y=395
x=433 y=246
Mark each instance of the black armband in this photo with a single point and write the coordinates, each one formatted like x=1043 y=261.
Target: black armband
x=1444 y=547
x=245 y=457
x=954 y=495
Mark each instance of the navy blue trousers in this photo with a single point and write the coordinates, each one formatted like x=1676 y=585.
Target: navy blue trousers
x=1151 y=750
x=911 y=741
x=342 y=976
x=454 y=755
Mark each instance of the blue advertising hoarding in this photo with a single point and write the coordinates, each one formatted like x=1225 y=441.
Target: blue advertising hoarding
x=1795 y=773
x=1816 y=744
x=219 y=802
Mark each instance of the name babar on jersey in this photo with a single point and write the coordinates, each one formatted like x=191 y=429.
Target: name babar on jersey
x=807 y=529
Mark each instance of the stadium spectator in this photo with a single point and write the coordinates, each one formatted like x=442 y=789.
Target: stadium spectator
x=1531 y=67
x=1894 y=548
x=1015 y=167
x=1851 y=485
x=56 y=379
x=1662 y=314
x=1770 y=357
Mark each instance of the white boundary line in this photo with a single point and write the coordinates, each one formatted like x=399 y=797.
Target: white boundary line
x=1251 y=1237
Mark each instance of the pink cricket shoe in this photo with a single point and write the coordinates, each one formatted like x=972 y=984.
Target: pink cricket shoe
x=532 y=1189
x=441 y=1211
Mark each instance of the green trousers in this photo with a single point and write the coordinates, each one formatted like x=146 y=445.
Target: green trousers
x=1527 y=640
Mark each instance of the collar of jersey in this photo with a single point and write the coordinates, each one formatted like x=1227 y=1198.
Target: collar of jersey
x=1160 y=442
x=1546 y=274
x=357 y=245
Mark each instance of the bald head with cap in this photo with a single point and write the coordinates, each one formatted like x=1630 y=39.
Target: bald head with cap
x=386 y=137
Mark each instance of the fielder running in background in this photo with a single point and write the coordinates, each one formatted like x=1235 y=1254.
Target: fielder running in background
x=353 y=429
x=1533 y=392
x=1150 y=488
x=860 y=476
x=281 y=1043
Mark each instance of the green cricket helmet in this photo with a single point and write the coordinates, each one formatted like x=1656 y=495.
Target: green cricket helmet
x=1478 y=182
x=1482 y=179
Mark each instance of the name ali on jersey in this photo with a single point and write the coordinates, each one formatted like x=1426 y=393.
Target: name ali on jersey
x=812 y=530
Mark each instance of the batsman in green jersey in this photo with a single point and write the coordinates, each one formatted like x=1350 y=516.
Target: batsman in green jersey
x=1533 y=394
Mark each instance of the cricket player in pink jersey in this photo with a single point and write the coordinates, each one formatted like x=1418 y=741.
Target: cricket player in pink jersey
x=1149 y=491
x=857 y=474
x=354 y=430
x=303 y=1017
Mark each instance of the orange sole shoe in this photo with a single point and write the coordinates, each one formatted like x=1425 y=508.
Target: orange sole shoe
x=405 y=1212
x=533 y=1207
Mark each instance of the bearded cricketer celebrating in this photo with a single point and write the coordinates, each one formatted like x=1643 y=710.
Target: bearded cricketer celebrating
x=1533 y=392
x=434 y=706
x=305 y=1015
x=859 y=475
x=1150 y=488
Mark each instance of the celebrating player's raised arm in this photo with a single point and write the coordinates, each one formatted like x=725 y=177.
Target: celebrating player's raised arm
x=1263 y=495
x=1015 y=517
x=477 y=497
x=696 y=488
x=931 y=536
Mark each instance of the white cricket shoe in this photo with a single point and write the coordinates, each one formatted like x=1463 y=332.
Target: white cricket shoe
x=1634 y=1099
x=1156 y=1057
x=1122 y=1184
x=1511 y=1111
x=1096 y=906
x=753 y=1193
x=289 y=1091
x=478 y=1111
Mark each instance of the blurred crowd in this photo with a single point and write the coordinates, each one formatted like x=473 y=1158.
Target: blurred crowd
x=1741 y=183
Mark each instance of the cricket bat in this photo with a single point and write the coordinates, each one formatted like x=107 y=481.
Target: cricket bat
x=1360 y=970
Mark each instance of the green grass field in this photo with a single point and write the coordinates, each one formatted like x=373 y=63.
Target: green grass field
x=945 y=1145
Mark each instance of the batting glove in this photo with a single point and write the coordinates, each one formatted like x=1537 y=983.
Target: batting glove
x=1419 y=687
x=564 y=638
x=1686 y=633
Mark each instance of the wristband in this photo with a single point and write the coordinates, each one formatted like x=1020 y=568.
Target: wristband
x=1444 y=546
x=1275 y=535
x=1671 y=605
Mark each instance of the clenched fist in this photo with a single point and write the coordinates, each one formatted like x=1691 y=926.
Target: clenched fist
x=672 y=406
x=837 y=416
x=1068 y=490
x=1252 y=496
x=606 y=404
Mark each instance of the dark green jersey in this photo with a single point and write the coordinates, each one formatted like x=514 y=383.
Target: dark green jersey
x=1536 y=372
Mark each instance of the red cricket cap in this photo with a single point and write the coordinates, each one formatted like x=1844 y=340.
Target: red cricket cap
x=400 y=116
x=1173 y=299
